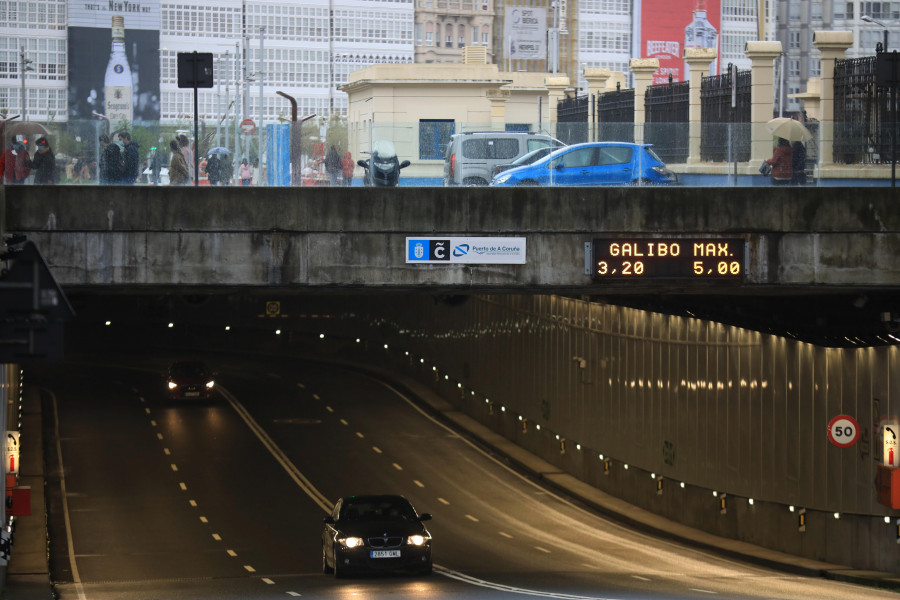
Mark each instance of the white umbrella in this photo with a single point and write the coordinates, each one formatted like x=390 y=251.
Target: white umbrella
x=789 y=129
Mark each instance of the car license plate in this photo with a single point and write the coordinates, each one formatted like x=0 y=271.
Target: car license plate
x=192 y=394
x=385 y=554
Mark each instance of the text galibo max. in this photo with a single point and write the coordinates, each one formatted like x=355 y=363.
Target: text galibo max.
x=664 y=249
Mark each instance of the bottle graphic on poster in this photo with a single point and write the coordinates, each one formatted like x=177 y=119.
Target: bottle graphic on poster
x=117 y=84
x=701 y=34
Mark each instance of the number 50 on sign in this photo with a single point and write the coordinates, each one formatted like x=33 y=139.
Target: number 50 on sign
x=843 y=431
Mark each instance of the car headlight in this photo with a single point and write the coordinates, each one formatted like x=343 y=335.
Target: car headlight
x=351 y=542
x=210 y=384
x=664 y=172
x=503 y=178
x=416 y=540
x=172 y=385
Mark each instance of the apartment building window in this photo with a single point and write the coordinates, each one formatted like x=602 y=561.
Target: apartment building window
x=485 y=35
x=794 y=68
x=794 y=39
x=843 y=10
x=461 y=36
x=429 y=33
x=434 y=135
x=419 y=31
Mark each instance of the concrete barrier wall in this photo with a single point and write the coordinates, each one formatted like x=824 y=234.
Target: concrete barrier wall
x=205 y=237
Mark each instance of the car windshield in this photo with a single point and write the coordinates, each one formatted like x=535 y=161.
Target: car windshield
x=188 y=370
x=383 y=150
x=377 y=509
x=652 y=154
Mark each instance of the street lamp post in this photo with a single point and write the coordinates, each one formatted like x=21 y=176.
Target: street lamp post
x=869 y=19
x=25 y=66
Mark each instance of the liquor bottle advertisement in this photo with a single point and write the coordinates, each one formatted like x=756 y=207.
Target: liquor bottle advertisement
x=114 y=61
x=667 y=27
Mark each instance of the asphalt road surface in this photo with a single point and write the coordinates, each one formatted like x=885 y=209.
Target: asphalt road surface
x=224 y=499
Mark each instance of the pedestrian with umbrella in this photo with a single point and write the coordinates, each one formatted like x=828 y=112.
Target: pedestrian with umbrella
x=44 y=163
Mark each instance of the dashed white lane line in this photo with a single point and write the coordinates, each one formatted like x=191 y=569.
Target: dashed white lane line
x=360 y=435
x=167 y=452
x=544 y=550
x=159 y=436
x=329 y=409
x=418 y=483
x=398 y=467
x=183 y=486
x=231 y=553
x=317 y=397
x=344 y=422
x=174 y=467
x=506 y=535
x=703 y=591
x=250 y=569
x=376 y=449
x=472 y=518
x=268 y=581
x=640 y=578
x=442 y=501
x=217 y=537
x=147 y=411
x=302 y=386
x=204 y=520
x=152 y=423
x=295 y=594
x=193 y=503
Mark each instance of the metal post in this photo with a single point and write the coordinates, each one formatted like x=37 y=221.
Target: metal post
x=246 y=108
x=218 y=103
x=25 y=67
x=262 y=105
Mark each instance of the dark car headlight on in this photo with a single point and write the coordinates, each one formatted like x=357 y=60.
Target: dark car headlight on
x=417 y=540
x=351 y=542
x=172 y=385
x=210 y=384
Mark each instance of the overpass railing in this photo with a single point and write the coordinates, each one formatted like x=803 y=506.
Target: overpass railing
x=295 y=155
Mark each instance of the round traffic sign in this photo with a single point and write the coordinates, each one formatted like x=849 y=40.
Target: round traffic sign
x=843 y=431
x=248 y=127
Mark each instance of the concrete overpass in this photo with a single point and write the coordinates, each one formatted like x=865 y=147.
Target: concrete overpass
x=787 y=239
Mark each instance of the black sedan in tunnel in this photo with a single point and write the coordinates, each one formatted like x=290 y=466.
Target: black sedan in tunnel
x=375 y=533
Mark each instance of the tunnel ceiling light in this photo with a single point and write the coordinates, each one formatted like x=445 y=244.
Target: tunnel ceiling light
x=385 y=346
x=682 y=485
x=358 y=340
x=837 y=515
x=600 y=456
x=171 y=325
x=277 y=332
x=750 y=501
x=321 y=336
x=228 y=328
x=108 y=323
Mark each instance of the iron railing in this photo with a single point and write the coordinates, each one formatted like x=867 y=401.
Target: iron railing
x=615 y=116
x=572 y=119
x=862 y=114
x=667 y=118
x=722 y=127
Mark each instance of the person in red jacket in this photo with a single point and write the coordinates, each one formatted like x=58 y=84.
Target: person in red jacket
x=15 y=164
x=782 y=162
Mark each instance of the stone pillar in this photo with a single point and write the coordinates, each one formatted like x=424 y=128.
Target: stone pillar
x=812 y=98
x=498 y=98
x=556 y=86
x=833 y=45
x=643 y=69
x=596 y=79
x=762 y=96
x=698 y=60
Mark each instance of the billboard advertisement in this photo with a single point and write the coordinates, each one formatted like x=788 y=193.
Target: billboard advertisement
x=525 y=32
x=669 y=26
x=114 y=60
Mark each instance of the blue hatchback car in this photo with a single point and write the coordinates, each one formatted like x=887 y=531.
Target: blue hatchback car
x=594 y=163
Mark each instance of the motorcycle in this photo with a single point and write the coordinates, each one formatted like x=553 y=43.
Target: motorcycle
x=382 y=167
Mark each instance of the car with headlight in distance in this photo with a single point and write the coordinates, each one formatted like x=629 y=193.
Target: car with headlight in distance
x=592 y=163
x=188 y=379
x=375 y=533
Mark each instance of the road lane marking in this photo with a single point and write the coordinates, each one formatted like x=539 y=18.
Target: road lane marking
x=204 y=520
x=302 y=386
x=360 y=435
x=442 y=501
x=167 y=452
x=471 y=518
x=250 y=569
x=183 y=486
x=217 y=537
x=193 y=503
x=544 y=550
x=344 y=422
x=329 y=409
x=152 y=423
x=418 y=483
x=231 y=553
x=295 y=594
x=147 y=410
x=508 y=588
x=316 y=396
x=159 y=436
x=702 y=591
x=398 y=467
x=174 y=467
x=268 y=581
x=70 y=543
x=376 y=449
x=641 y=578
x=506 y=535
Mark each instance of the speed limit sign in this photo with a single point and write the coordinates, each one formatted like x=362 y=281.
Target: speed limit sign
x=843 y=431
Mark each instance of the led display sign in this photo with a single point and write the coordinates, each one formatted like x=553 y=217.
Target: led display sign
x=705 y=259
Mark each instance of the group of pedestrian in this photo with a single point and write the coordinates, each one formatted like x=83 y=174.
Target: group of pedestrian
x=339 y=170
x=120 y=163
x=788 y=163
x=16 y=165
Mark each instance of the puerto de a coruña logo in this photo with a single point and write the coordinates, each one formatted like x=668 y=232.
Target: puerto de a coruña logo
x=461 y=250
x=418 y=250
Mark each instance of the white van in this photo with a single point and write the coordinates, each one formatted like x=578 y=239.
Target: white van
x=471 y=157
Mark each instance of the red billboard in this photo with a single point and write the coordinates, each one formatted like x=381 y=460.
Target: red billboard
x=670 y=26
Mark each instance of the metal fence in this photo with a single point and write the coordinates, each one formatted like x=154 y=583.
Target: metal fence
x=572 y=119
x=615 y=116
x=667 y=120
x=862 y=114
x=719 y=143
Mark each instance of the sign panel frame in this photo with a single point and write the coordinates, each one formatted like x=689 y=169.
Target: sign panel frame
x=642 y=258
x=466 y=250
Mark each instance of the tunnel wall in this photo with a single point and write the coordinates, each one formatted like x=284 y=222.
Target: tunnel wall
x=678 y=400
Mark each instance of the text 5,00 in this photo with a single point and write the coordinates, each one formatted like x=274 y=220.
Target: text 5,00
x=721 y=268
